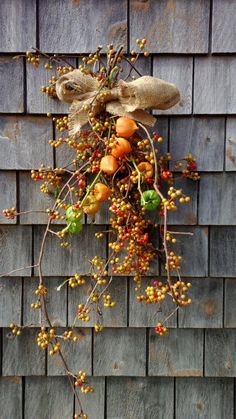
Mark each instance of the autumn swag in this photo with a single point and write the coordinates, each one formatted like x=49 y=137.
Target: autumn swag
x=117 y=164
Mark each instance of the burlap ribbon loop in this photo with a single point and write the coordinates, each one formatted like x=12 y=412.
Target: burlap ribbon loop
x=125 y=99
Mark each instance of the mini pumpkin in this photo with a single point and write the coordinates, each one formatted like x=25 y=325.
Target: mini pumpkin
x=125 y=127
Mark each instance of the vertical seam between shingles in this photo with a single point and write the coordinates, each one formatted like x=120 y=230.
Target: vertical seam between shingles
x=198 y=200
x=23 y=396
x=24 y=86
x=32 y=251
x=223 y=304
x=204 y=352
x=17 y=195
x=193 y=74
x=128 y=25
x=37 y=24
x=22 y=303
x=147 y=352
x=128 y=301
x=46 y=363
x=210 y=28
x=151 y=65
x=67 y=305
x=224 y=152
x=54 y=154
x=234 y=399
x=74 y=410
x=174 y=398
x=92 y=351
x=105 y=397
x=1 y=350
x=209 y=252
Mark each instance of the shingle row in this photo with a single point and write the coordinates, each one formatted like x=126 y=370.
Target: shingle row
x=179 y=27
x=127 y=352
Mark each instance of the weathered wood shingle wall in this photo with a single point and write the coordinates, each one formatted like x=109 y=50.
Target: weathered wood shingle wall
x=188 y=374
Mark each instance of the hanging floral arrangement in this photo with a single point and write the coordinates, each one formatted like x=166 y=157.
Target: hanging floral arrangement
x=117 y=163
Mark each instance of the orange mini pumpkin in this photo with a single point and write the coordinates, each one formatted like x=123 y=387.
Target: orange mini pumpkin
x=146 y=169
x=101 y=192
x=125 y=127
x=109 y=164
x=120 y=147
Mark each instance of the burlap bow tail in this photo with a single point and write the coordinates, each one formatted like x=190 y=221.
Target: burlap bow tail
x=125 y=99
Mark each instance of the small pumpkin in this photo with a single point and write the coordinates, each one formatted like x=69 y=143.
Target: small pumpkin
x=109 y=164
x=101 y=192
x=74 y=227
x=125 y=127
x=120 y=147
x=74 y=220
x=146 y=169
x=150 y=200
x=73 y=214
x=91 y=206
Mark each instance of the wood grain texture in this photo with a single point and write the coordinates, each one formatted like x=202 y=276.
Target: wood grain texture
x=17 y=25
x=143 y=65
x=179 y=353
x=24 y=142
x=229 y=303
x=143 y=398
x=186 y=214
x=64 y=154
x=120 y=352
x=38 y=102
x=21 y=355
x=206 y=309
x=220 y=356
x=11 y=397
x=171 y=27
x=193 y=249
x=223 y=251
x=230 y=149
x=7 y=194
x=217 y=199
x=201 y=136
x=143 y=315
x=16 y=249
x=10 y=301
x=11 y=100
x=177 y=70
x=103 y=216
x=68 y=261
x=48 y=397
x=94 y=403
x=56 y=302
x=206 y=398
x=223 y=26
x=161 y=127
x=115 y=317
x=214 y=85
x=108 y=20
x=32 y=199
x=78 y=354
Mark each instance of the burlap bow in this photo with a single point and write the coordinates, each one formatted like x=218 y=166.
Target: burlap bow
x=125 y=99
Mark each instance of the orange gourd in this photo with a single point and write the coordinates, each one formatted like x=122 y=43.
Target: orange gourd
x=109 y=164
x=125 y=127
x=101 y=192
x=120 y=147
x=146 y=169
